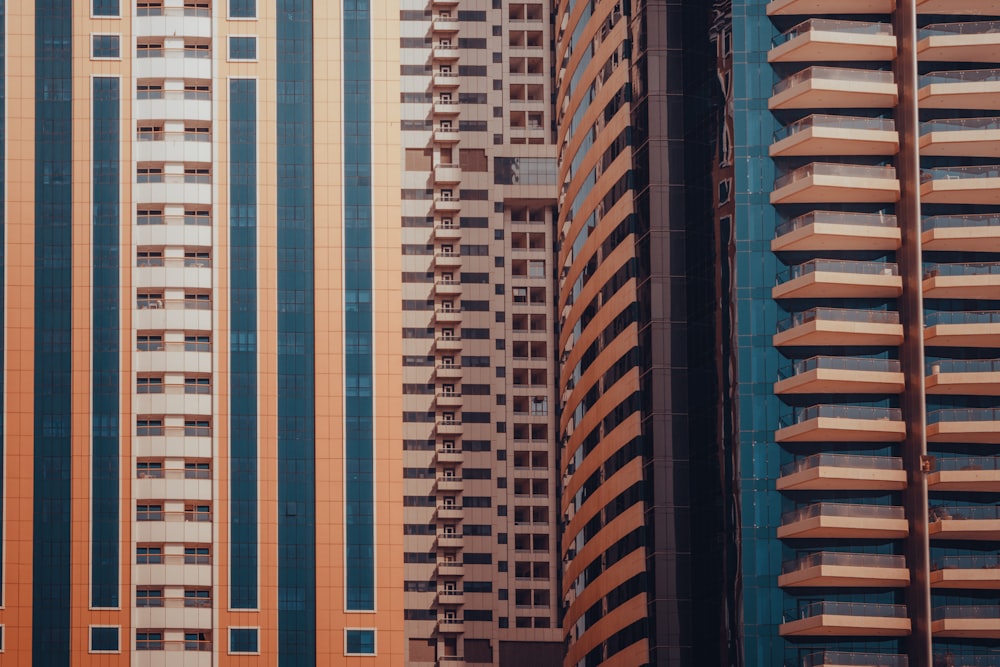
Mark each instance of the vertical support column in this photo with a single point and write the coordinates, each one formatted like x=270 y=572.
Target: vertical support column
x=911 y=307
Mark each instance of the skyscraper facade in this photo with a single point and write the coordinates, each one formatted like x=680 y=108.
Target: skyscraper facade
x=201 y=449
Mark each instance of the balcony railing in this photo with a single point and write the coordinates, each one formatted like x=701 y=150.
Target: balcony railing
x=842 y=461
x=963 y=513
x=937 y=317
x=848 y=75
x=950 y=660
x=965 y=611
x=835 y=169
x=847 y=609
x=800 y=415
x=840 y=315
x=971 y=28
x=966 y=562
x=838 y=266
x=835 y=122
x=968 y=463
x=959 y=221
x=836 y=218
x=832 y=25
x=844 y=560
x=963 y=366
x=840 y=364
x=963 y=415
x=843 y=510
x=176 y=136
x=961 y=76
x=958 y=173
x=846 y=659
x=959 y=125
x=962 y=269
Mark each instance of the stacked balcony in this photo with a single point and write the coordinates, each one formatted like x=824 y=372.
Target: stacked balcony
x=827 y=40
x=842 y=423
x=971 y=572
x=975 y=232
x=966 y=621
x=840 y=326
x=846 y=619
x=844 y=520
x=960 y=89
x=843 y=472
x=841 y=375
x=841 y=569
x=833 y=230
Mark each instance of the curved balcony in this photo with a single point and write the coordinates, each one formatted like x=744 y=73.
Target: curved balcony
x=841 y=520
x=972 y=425
x=174 y=570
x=966 y=473
x=833 y=230
x=174 y=63
x=827 y=183
x=173 y=147
x=970 y=7
x=973 y=572
x=841 y=375
x=444 y=52
x=450 y=626
x=819 y=87
x=969 y=233
x=962 y=329
x=806 y=7
x=837 y=569
x=960 y=185
x=847 y=472
x=972 y=42
x=840 y=326
x=846 y=619
x=836 y=278
x=159 y=21
x=963 y=137
x=842 y=423
x=848 y=659
x=964 y=377
x=964 y=522
x=979 y=280
x=174 y=105
x=824 y=134
x=966 y=621
x=827 y=40
x=960 y=89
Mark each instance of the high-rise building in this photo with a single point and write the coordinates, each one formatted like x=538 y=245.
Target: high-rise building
x=479 y=461
x=862 y=260
x=202 y=378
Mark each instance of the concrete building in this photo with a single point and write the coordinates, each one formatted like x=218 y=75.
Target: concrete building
x=201 y=450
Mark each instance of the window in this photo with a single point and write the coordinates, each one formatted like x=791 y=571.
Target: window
x=198 y=597
x=105 y=46
x=242 y=48
x=149 y=469
x=149 y=343
x=146 y=512
x=197 y=471
x=197 y=427
x=359 y=642
x=148 y=555
x=242 y=9
x=148 y=641
x=520 y=294
x=243 y=640
x=149 y=427
x=106 y=8
x=149 y=597
x=198 y=513
x=197 y=641
x=149 y=385
x=197 y=556
x=103 y=639
x=197 y=344
x=197 y=385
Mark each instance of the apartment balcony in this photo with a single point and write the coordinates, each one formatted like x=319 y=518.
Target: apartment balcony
x=826 y=40
x=966 y=473
x=806 y=7
x=448 y=399
x=449 y=372
x=445 y=24
x=447 y=259
x=962 y=233
x=846 y=619
x=960 y=89
x=960 y=185
x=964 y=377
x=447 y=288
x=841 y=375
x=962 y=329
x=840 y=326
x=446 y=134
x=159 y=21
x=444 y=53
x=972 y=42
x=842 y=423
x=823 y=134
x=972 y=425
x=966 y=622
x=821 y=87
x=447 y=205
x=450 y=540
x=447 y=173
x=445 y=79
x=447 y=231
x=448 y=343
x=175 y=63
x=839 y=279
x=174 y=569
x=174 y=104
x=840 y=520
x=843 y=472
x=450 y=513
x=450 y=568
x=448 y=455
x=450 y=596
x=450 y=626
x=979 y=280
x=448 y=315
x=964 y=522
x=833 y=230
x=962 y=137
x=178 y=147
x=848 y=659
x=446 y=483
x=828 y=183
x=971 y=572
x=970 y=7
x=839 y=569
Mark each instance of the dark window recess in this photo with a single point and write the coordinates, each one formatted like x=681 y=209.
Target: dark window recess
x=478 y=615
x=419 y=417
x=472 y=70
x=477 y=559
x=477 y=501
x=418 y=445
x=419 y=614
x=475 y=278
x=475 y=333
x=475 y=305
x=414 y=70
x=469 y=222
x=475 y=361
x=414 y=15
x=479 y=16
x=472 y=42
x=414 y=42
x=472 y=98
x=475 y=418
x=478 y=586
x=471 y=125
x=475 y=473
x=419 y=557
x=474 y=195
x=476 y=445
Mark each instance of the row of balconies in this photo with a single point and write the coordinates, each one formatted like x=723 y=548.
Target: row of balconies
x=849 y=472
x=853 y=619
x=812 y=7
x=826 y=520
x=852 y=423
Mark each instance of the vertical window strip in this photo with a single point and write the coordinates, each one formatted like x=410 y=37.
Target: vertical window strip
x=53 y=324
x=296 y=345
x=243 y=432
x=359 y=407
x=3 y=258
x=106 y=362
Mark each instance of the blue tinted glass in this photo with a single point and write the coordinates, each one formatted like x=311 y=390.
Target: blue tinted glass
x=361 y=641
x=242 y=48
x=243 y=9
x=104 y=639
x=106 y=8
x=243 y=640
x=106 y=46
